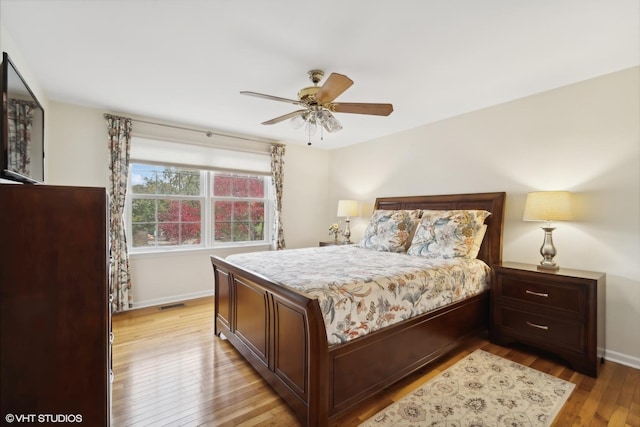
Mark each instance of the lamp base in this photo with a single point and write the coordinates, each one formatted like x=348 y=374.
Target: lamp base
x=346 y=233
x=546 y=267
x=548 y=251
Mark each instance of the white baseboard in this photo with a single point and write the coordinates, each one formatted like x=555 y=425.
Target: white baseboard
x=623 y=359
x=172 y=299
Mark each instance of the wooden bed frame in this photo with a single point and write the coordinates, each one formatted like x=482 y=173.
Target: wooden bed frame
x=281 y=332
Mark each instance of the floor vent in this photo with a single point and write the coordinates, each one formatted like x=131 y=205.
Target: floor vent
x=167 y=307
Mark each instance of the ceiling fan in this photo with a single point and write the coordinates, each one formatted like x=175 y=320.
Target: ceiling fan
x=318 y=105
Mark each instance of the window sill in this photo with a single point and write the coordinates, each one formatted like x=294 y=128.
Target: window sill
x=218 y=250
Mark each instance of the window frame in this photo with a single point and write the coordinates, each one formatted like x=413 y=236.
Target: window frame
x=207 y=219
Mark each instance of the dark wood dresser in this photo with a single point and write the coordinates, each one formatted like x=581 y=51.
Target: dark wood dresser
x=55 y=315
x=561 y=312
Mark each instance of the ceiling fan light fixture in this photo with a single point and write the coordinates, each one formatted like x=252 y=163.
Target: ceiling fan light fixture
x=327 y=120
x=323 y=116
x=318 y=104
x=332 y=125
x=298 y=121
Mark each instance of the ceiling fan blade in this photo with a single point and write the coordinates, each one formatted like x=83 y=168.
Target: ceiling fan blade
x=333 y=87
x=283 y=118
x=271 y=97
x=362 y=108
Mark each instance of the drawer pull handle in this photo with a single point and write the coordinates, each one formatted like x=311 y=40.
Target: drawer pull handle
x=538 y=294
x=537 y=326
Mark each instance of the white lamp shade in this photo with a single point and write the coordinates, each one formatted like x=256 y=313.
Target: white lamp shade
x=547 y=206
x=347 y=208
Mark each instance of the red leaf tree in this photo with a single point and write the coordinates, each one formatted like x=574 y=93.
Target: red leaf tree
x=179 y=221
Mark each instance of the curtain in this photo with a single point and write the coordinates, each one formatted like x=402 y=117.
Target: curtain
x=20 y=119
x=277 y=175
x=119 y=129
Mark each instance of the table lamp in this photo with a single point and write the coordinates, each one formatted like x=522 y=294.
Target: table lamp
x=347 y=208
x=547 y=206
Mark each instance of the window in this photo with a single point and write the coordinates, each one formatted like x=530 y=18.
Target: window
x=173 y=207
x=239 y=207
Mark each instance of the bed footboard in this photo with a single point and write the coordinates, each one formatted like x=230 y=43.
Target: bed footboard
x=280 y=333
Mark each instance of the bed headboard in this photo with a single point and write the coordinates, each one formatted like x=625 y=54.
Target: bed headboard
x=491 y=249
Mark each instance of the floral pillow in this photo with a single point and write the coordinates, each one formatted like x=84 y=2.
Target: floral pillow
x=447 y=234
x=477 y=242
x=389 y=230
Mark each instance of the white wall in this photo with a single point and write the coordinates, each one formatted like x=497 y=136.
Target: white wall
x=584 y=138
x=306 y=192
x=80 y=150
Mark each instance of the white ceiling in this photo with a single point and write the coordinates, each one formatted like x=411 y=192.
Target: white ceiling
x=187 y=60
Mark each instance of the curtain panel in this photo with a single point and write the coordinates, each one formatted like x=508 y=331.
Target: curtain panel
x=119 y=130
x=277 y=175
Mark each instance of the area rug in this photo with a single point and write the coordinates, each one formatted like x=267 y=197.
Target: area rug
x=480 y=390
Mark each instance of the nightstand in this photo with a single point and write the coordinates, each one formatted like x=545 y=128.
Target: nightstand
x=561 y=312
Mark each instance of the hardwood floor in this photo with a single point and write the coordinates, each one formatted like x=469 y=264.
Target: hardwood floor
x=171 y=370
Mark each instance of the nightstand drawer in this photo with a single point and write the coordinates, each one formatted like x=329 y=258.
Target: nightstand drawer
x=564 y=297
x=543 y=329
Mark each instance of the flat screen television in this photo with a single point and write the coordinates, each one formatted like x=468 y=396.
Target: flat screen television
x=21 y=128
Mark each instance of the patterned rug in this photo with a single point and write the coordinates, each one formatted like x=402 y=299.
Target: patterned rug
x=480 y=390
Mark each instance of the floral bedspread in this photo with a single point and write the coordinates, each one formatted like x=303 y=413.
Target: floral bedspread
x=361 y=291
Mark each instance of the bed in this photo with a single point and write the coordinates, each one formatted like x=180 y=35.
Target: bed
x=281 y=330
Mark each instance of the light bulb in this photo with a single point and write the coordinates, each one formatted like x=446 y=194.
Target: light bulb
x=323 y=116
x=332 y=125
x=298 y=121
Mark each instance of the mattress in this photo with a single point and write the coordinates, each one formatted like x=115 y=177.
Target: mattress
x=361 y=290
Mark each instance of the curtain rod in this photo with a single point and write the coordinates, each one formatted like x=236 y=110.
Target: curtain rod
x=208 y=133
